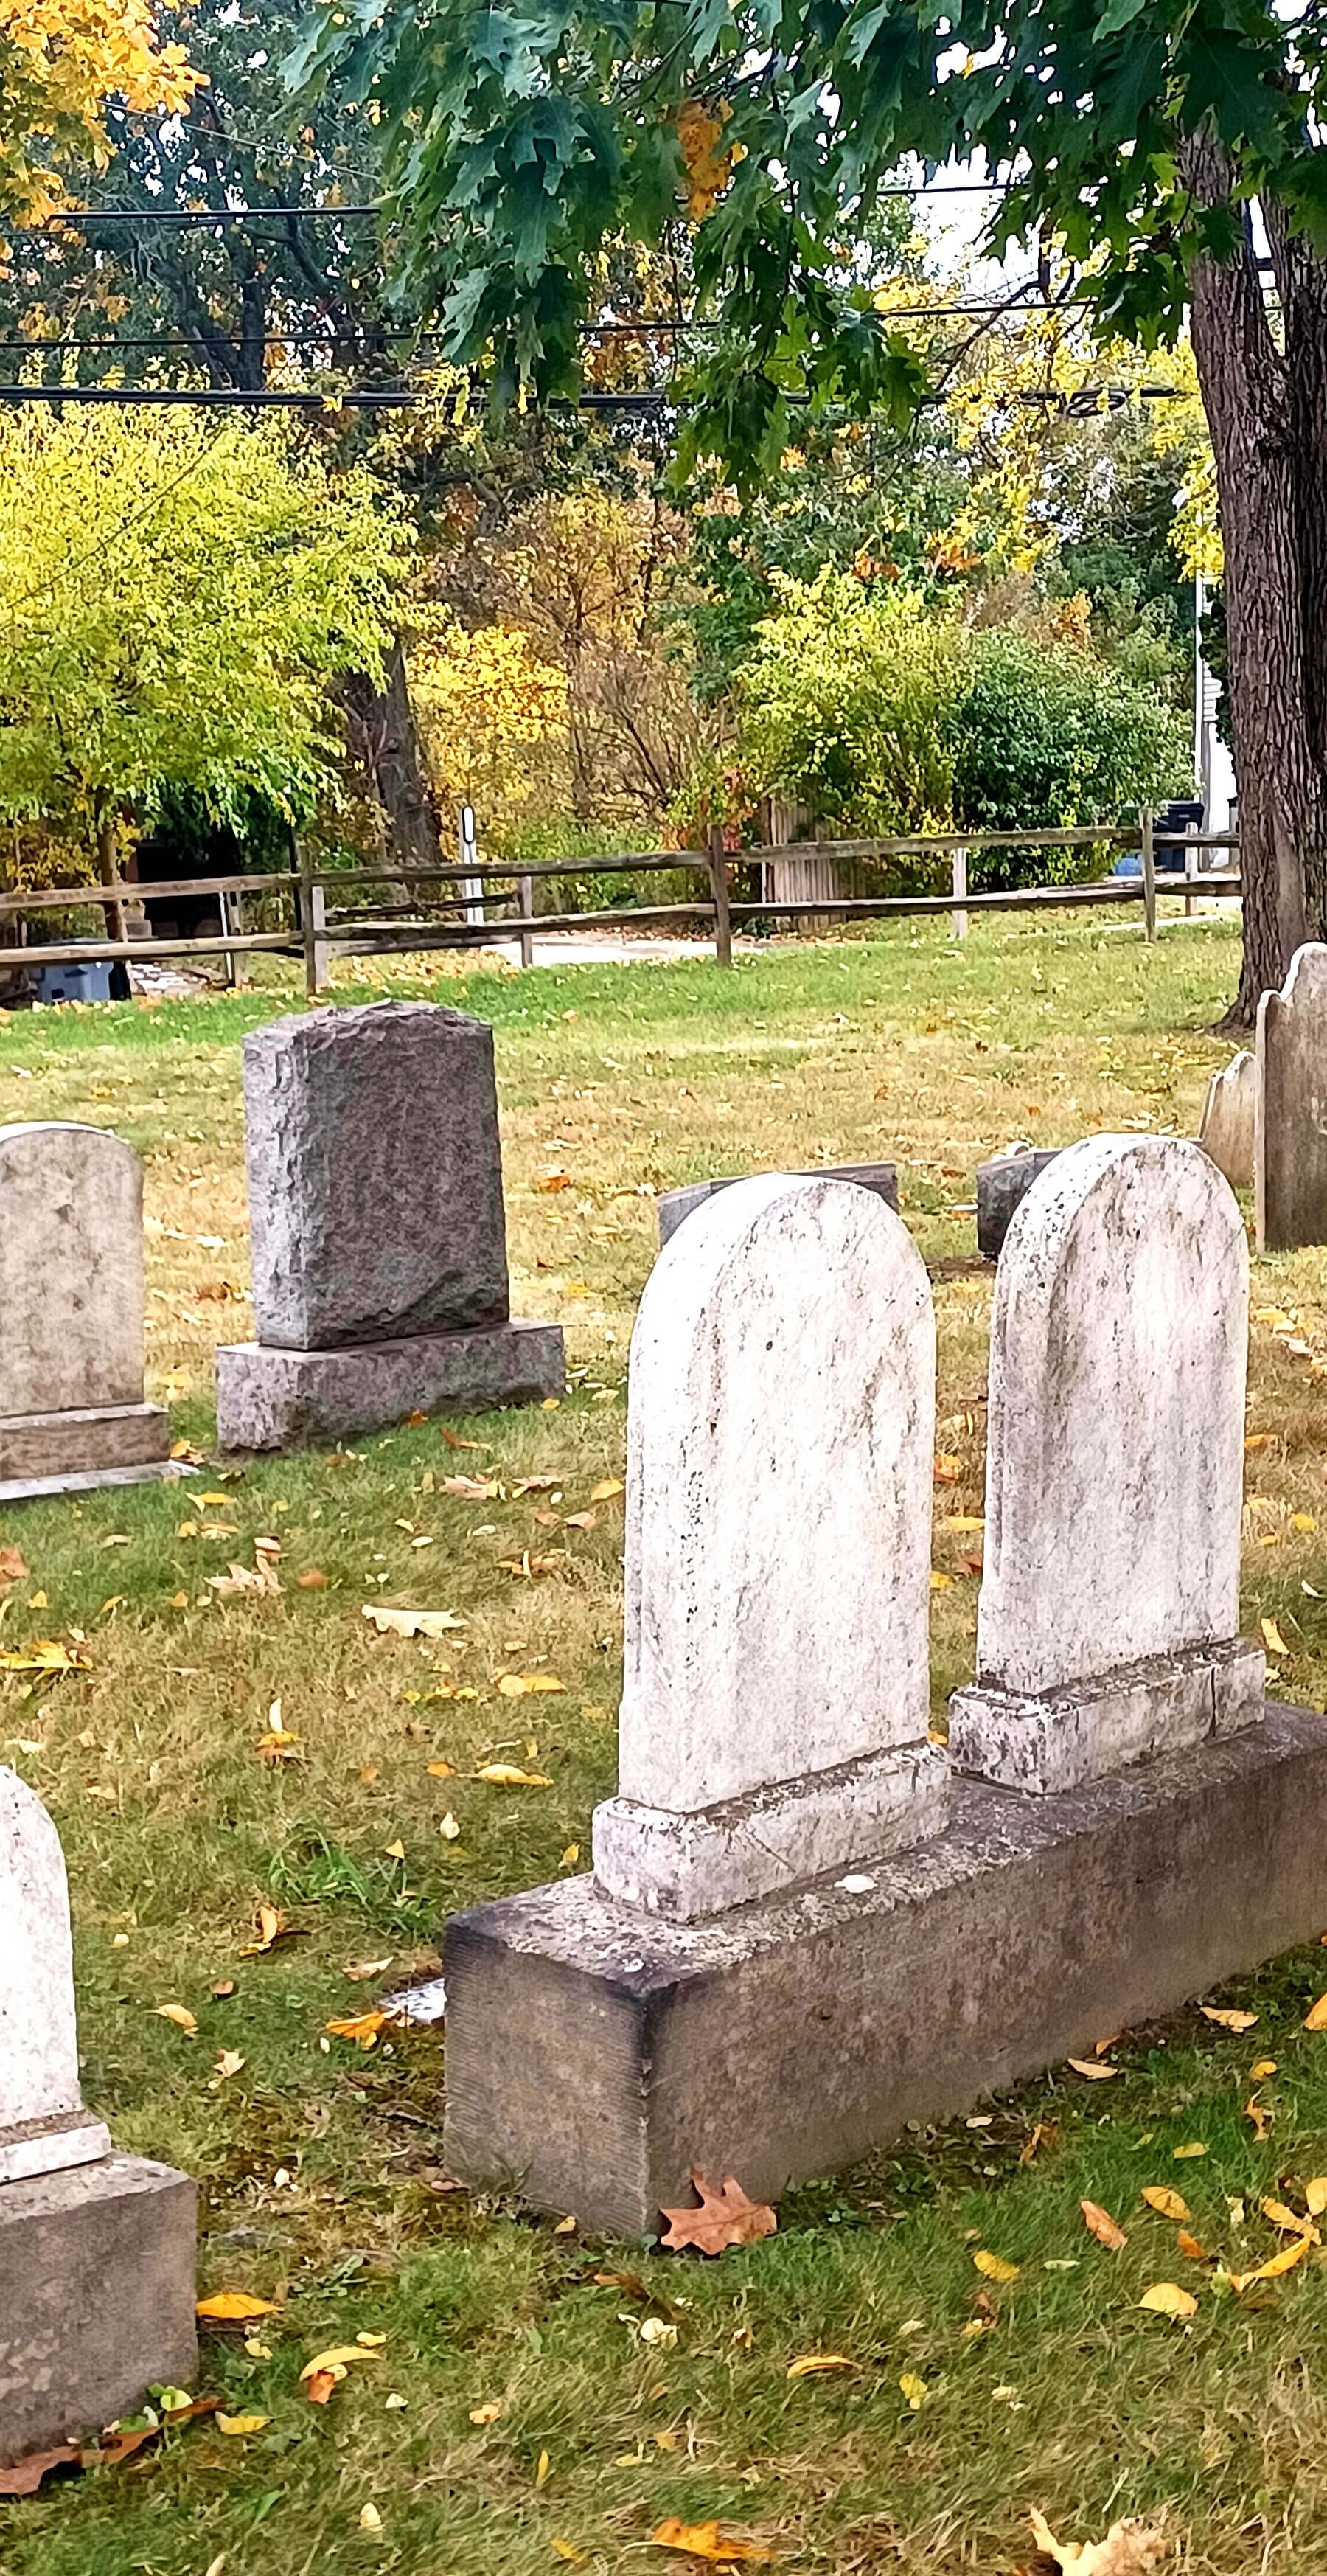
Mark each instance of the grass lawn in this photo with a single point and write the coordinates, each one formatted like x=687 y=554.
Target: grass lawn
x=516 y=2417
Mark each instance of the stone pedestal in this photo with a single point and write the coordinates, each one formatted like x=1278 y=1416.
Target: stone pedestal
x=1058 y=1739
x=61 y=1453
x=281 y=1399
x=595 y=2055
x=675 y=1205
x=97 y=2268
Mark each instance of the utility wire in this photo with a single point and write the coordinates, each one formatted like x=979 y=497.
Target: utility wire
x=83 y=215
x=373 y=398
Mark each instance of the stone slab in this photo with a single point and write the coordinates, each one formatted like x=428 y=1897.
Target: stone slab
x=688 y=1865
x=85 y=1442
x=1002 y=1185
x=675 y=1205
x=98 y=2273
x=52 y=2146
x=1230 y=1117
x=71 y=1269
x=594 y=2055
x=1086 y=1730
x=375 y=1176
x=1290 y=1116
x=29 y=1489
x=278 y=1399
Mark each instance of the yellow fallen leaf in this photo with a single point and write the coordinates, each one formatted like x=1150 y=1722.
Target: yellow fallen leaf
x=940 y=1582
x=516 y=1685
x=1099 y=2223
x=393 y=1851
x=1167 y=2202
x=1285 y=2261
x=409 y=1623
x=1315 y=2195
x=710 y=2540
x=1094 y=2068
x=1189 y=2246
x=1263 y=2066
x=1130 y=2548
x=1167 y=2299
x=604 y=1492
x=567 y=2551
x=810 y=2364
x=450 y=1828
x=1228 y=2020
x=506 y=1775
x=1316 y=2017
x=240 y=2424
x=181 y=2016
x=361 y=2027
x=369 y=2518
x=231 y=2307
x=1272 y=1637
x=338 y=2357
x=1290 y=2220
x=914 y=2389
x=488 y=2413
x=371 y=2342
x=542 y=2467
x=1196 y=2147
x=994 y=2265
x=1303 y=1521
x=1261 y=2118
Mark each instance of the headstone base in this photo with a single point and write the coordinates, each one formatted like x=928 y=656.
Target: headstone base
x=1087 y=1730
x=52 y=2146
x=594 y=2057
x=686 y=1866
x=52 y=1452
x=98 y=2273
x=277 y=1399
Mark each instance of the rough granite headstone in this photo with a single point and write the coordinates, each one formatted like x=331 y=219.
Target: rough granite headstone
x=96 y=2250
x=674 y=1205
x=1229 y=1118
x=1002 y=1185
x=1290 y=1118
x=1107 y=1628
x=780 y=1451
x=71 y=1314
x=379 y=1235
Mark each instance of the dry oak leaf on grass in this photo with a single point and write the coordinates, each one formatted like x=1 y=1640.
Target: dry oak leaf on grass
x=725 y=2217
x=1099 y=2223
x=1130 y=2548
x=409 y=1623
x=708 y=2540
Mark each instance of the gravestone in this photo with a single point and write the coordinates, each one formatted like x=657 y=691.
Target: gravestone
x=96 y=2249
x=1290 y=1118
x=781 y=1412
x=674 y=1205
x=1107 y=1628
x=1229 y=1118
x=379 y=1235
x=72 y=1413
x=1002 y=1185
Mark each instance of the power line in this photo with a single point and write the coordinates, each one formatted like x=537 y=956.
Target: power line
x=83 y=215
x=373 y=398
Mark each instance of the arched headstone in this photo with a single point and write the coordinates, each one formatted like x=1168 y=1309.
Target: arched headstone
x=1108 y=1621
x=775 y=1700
x=1290 y=1129
x=43 y=2125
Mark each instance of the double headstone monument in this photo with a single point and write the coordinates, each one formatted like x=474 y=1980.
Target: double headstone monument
x=96 y=2249
x=1290 y=1117
x=797 y=1937
x=379 y=1234
x=72 y=1413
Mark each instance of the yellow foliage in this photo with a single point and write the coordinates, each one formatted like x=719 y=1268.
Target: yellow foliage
x=61 y=63
x=484 y=701
x=709 y=161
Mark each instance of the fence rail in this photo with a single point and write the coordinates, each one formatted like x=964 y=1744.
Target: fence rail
x=317 y=935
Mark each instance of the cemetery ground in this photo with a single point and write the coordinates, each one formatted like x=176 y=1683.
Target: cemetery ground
x=268 y=1807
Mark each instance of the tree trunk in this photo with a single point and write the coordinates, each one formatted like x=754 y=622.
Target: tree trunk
x=107 y=863
x=1247 y=392
x=384 y=724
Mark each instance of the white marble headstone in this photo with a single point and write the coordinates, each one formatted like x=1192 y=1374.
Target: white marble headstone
x=1290 y=1132
x=1109 y=1612
x=781 y=1429
x=1229 y=1117
x=71 y=1270
x=43 y=2125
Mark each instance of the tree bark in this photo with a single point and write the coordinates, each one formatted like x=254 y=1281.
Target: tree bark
x=384 y=724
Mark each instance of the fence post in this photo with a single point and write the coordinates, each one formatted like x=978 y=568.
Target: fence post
x=472 y=888
x=718 y=864
x=1147 y=824
x=960 y=884
x=525 y=913
x=313 y=926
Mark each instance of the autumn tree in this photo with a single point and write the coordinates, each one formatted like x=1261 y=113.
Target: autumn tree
x=63 y=65
x=1144 y=141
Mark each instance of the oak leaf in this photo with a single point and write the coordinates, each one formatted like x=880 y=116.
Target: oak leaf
x=725 y=2217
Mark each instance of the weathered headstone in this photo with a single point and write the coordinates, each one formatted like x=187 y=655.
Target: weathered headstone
x=1108 y=1622
x=72 y=1413
x=780 y=1451
x=1290 y=1118
x=96 y=2250
x=1229 y=1118
x=1002 y=1185
x=379 y=1236
x=674 y=1205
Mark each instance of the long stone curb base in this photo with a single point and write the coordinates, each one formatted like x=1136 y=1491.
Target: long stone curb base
x=685 y=1866
x=74 y=1452
x=280 y=1399
x=97 y=2266
x=1044 y=1742
x=595 y=2055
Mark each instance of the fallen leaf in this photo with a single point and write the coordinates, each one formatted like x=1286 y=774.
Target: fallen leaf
x=1285 y=2261
x=454 y=1440
x=24 y=2478
x=567 y=2551
x=339 y=2356
x=14 y=1568
x=1189 y=2246
x=507 y=1775
x=450 y=1827
x=725 y=2217
x=319 y=2389
x=1099 y=2223
x=369 y=2518
x=542 y=2467
x=1169 y=2300
x=1167 y=2202
x=1289 y=2220
x=488 y=2413
x=1272 y=1638
x=1261 y=2118
x=361 y=2027
x=238 y=1579
x=914 y=2389
x=710 y=2540
x=947 y=1469
x=1303 y=1521
x=270 y=1927
x=1093 y=2068
x=1315 y=2195
x=1130 y=2548
x=311 y=1580
x=233 y=2307
x=471 y=1489
x=810 y=2364
x=228 y=2063
x=1263 y=2066
x=1228 y=2020
x=1183 y=2155
x=181 y=2016
x=1043 y=2134
x=409 y=1623
x=238 y=2425
x=516 y=1685
x=603 y=1493
x=994 y=2265
x=1316 y=2017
